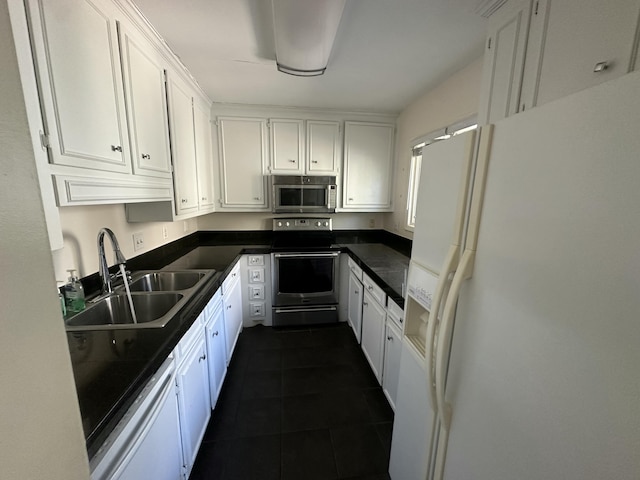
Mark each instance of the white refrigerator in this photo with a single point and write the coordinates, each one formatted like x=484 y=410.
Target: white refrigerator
x=543 y=377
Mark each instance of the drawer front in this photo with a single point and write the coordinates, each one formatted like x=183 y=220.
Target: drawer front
x=355 y=268
x=190 y=338
x=231 y=279
x=395 y=313
x=374 y=290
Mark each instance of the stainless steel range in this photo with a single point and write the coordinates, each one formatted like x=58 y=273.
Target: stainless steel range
x=305 y=272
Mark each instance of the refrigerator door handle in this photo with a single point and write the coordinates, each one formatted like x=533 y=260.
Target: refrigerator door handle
x=465 y=270
x=448 y=267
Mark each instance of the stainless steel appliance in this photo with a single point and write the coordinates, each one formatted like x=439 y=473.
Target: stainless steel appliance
x=304 y=270
x=304 y=194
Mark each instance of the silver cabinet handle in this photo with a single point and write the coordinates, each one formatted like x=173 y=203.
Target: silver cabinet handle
x=292 y=161
x=356 y=291
x=146 y=156
x=204 y=198
x=228 y=307
x=256 y=198
x=314 y=161
x=116 y=148
x=390 y=338
x=203 y=357
x=600 y=67
x=365 y=304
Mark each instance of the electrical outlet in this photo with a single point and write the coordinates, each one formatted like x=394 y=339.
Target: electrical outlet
x=165 y=234
x=372 y=223
x=138 y=241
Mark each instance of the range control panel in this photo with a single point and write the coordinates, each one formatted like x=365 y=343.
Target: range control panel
x=322 y=224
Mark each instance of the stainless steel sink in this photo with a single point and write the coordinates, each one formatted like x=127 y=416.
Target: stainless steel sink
x=166 y=281
x=157 y=298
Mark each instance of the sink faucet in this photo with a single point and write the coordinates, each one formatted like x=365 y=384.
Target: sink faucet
x=103 y=267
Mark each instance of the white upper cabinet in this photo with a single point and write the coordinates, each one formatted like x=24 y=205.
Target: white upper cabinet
x=504 y=59
x=287 y=146
x=323 y=147
x=242 y=145
x=204 y=154
x=368 y=162
x=183 y=146
x=144 y=77
x=76 y=48
x=580 y=36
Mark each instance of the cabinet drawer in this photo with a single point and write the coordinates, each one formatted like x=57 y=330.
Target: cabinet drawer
x=355 y=268
x=395 y=314
x=374 y=290
x=231 y=279
x=214 y=304
x=190 y=338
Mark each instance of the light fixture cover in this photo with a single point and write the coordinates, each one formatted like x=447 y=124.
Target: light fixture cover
x=304 y=32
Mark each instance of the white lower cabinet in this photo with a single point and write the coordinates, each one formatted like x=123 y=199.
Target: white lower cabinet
x=216 y=347
x=192 y=384
x=391 y=369
x=232 y=302
x=373 y=321
x=354 y=312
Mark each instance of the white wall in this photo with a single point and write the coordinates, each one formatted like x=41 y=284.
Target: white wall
x=40 y=426
x=454 y=99
x=80 y=226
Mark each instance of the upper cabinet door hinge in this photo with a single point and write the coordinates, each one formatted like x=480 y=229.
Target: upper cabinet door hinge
x=535 y=11
x=44 y=140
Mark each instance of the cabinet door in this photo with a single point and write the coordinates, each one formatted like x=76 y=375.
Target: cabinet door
x=578 y=37
x=185 y=177
x=243 y=157
x=504 y=61
x=232 y=316
x=391 y=370
x=192 y=381
x=323 y=147
x=373 y=317
x=204 y=156
x=76 y=47
x=287 y=146
x=144 y=77
x=354 y=313
x=217 y=353
x=368 y=161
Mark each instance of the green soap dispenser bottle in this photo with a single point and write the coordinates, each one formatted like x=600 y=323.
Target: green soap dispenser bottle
x=74 y=293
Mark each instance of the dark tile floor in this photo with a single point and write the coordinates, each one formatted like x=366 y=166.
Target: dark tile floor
x=297 y=404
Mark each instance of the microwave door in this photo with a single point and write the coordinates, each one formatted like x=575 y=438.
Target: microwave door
x=289 y=197
x=315 y=198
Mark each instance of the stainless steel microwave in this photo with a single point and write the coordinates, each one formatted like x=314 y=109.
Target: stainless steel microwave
x=304 y=194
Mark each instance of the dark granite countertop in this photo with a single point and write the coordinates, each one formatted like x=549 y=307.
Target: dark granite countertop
x=112 y=367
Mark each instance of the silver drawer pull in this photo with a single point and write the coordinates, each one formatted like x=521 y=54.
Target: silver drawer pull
x=116 y=148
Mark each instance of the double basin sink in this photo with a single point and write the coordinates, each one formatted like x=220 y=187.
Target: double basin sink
x=157 y=296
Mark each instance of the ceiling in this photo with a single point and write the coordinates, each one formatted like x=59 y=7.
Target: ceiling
x=386 y=53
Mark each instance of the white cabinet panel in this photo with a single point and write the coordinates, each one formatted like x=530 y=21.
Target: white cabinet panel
x=354 y=312
x=204 y=155
x=368 y=161
x=323 y=147
x=287 y=146
x=192 y=381
x=216 y=350
x=76 y=49
x=144 y=77
x=581 y=35
x=373 y=322
x=243 y=159
x=232 y=301
x=504 y=61
x=183 y=146
x=391 y=369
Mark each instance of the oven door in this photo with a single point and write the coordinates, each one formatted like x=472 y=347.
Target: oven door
x=301 y=279
x=304 y=198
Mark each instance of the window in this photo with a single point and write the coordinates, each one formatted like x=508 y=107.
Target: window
x=417 y=149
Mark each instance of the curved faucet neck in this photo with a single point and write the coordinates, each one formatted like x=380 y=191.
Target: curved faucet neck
x=103 y=266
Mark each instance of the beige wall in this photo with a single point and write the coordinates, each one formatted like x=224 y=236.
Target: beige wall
x=80 y=226
x=40 y=426
x=262 y=221
x=453 y=100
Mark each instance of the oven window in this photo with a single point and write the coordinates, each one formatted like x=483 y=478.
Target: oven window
x=290 y=196
x=305 y=275
x=314 y=197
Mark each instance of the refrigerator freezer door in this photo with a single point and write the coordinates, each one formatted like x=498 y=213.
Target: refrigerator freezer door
x=543 y=374
x=442 y=199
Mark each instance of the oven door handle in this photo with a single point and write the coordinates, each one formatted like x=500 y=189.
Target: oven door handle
x=306 y=255
x=302 y=310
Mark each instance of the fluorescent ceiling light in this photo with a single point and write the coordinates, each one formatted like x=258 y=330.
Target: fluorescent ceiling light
x=304 y=32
